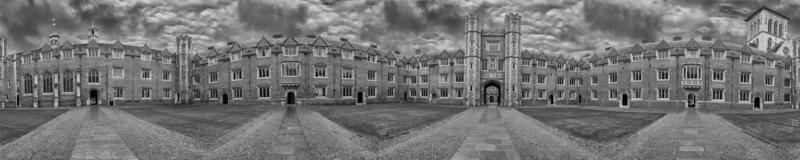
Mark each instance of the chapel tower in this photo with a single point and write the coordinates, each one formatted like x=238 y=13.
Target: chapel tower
x=472 y=77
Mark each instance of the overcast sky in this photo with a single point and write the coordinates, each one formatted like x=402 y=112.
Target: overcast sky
x=553 y=26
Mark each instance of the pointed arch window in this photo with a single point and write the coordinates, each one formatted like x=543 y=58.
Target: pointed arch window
x=27 y=81
x=67 y=81
x=47 y=82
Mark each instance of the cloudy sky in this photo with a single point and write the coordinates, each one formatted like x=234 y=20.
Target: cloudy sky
x=553 y=26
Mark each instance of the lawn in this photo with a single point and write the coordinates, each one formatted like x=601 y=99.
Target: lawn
x=393 y=118
x=201 y=122
x=774 y=127
x=596 y=125
x=15 y=123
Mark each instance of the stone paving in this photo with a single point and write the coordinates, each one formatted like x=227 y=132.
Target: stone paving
x=98 y=141
x=690 y=145
x=488 y=140
x=290 y=143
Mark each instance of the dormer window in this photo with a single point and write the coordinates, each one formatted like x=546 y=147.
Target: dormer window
x=212 y=61
x=263 y=52
x=320 y=52
x=348 y=54
x=236 y=56
x=94 y=52
x=289 y=51
x=746 y=58
x=116 y=53
x=692 y=53
x=146 y=57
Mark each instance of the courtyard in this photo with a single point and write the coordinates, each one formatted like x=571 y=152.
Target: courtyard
x=389 y=118
x=18 y=122
x=776 y=128
x=204 y=122
x=596 y=125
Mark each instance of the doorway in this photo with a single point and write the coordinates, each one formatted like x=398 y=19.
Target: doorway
x=624 y=100
x=552 y=99
x=224 y=98
x=492 y=93
x=691 y=101
x=580 y=99
x=93 y=97
x=757 y=103
x=290 y=98
x=360 y=98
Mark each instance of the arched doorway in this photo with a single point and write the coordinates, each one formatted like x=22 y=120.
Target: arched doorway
x=552 y=99
x=93 y=97
x=360 y=98
x=492 y=93
x=624 y=100
x=691 y=100
x=290 y=98
x=757 y=103
x=224 y=98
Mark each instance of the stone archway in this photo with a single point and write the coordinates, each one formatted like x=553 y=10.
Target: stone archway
x=757 y=103
x=290 y=98
x=94 y=97
x=492 y=93
x=691 y=100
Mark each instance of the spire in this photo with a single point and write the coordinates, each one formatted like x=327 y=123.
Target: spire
x=54 y=37
x=92 y=32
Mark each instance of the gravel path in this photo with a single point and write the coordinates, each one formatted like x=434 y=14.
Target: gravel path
x=52 y=140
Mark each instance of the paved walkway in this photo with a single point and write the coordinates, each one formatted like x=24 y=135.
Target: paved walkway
x=690 y=146
x=98 y=141
x=290 y=143
x=488 y=140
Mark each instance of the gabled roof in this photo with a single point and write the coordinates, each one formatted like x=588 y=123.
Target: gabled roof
x=371 y=51
x=118 y=45
x=263 y=43
x=613 y=52
x=745 y=49
x=460 y=54
x=444 y=55
x=66 y=45
x=319 y=42
x=663 y=45
x=290 y=41
x=637 y=48
x=93 y=44
x=234 y=46
x=145 y=48
x=347 y=45
x=766 y=9
x=45 y=47
x=691 y=44
x=719 y=45
x=526 y=55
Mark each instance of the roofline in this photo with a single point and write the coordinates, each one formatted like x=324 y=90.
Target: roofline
x=768 y=9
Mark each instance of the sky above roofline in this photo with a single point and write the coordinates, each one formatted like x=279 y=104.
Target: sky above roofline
x=570 y=27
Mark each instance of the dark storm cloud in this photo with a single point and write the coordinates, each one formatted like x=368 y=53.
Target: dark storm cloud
x=741 y=9
x=447 y=15
x=27 y=23
x=103 y=15
x=400 y=16
x=272 y=18
x=630 y=22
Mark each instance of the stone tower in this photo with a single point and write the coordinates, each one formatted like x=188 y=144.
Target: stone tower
x=184 y=46
x=3 y=79
x=93 y=33
x=511 y=64
x=472 y=77
x=766 y=29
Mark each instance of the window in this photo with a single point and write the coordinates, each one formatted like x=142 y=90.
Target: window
x=146 y=57
x=770 y=64
x=237 y=93
x=594 y=95
x=769 y=80
x=289 y=51
x=347 y=91
x=167 y=75
x=390 y=91
x=320 y=72
x=423 y=79
x=540 y=93
x=263 y=52
x=212 y=61
x=744 y=78
x=28 y=83
x=213 y=93
x=348 y=54
x=67 y=82
x=744 y=96
x=541 y=79
x=118 y=93
x=390 y=77
x=212 y=77
x=745 y=58
x=526 y=62
x=611 y=61
x=145 y=93
x=46 y=56
x=459 y=92
x=636 y=93
x=717 y=94
x=371 y=76
x=443 y=78
x=692 y=53
x=118 y=72
x=236 y=74
x=526 y=78
x=94 y=76
x=167 y=93
x=320 y=52
x=291 y=69
x=443 y=92
x=560 y=81
x=663 y=93
x=320 y=92
x=347 y=73
x=663 y=74
x=612 y=78
x=145 y=74
x=116 y=53
x=595 y=80
x=263 y=92
x=372 y=91
x=166 y=60
x=719 y=54
x=67 y=53
x=787 y=97
x=636 y=76
x=263 y=72
x=460 y=61
x=493 y=46
x=612 y=94
x=94 y=53
x=542 y=64
x=662 y=54
x=636 y=57
x=47 y=82
x=196 y=94
x=718 y=75
x=768 y=96
x=691 y=72
x=787 y=82
x=459 y=77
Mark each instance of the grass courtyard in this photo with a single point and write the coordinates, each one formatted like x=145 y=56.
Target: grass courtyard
x=394 y=118
x=596 y=125
x=205 y=122
x=774 y=127
x=15 y=123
